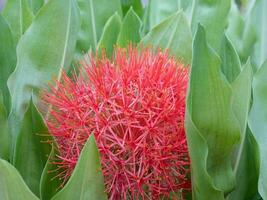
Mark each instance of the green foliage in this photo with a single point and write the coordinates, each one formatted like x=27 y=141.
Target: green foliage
x=130 y=29
x=86 y=179
x=7 y=59
x=49 y=183
x=258 y=125
x=94 y=14
x=35 y=5
x=258 y=19
x=213 y=16
x=135 y=4
x=43 y=51
x=173 y=34
x=4 y=134
x=241 y=32
x=159 y=10
x=19 y=17
x=12 y=186
x=110 y=34
x=218 y=129
x=32 y=141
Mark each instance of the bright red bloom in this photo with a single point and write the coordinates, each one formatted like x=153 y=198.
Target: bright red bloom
x=135 y=106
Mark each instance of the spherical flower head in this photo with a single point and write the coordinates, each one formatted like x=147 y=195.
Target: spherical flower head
x=134 y=104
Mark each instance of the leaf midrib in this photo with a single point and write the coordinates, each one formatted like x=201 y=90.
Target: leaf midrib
x=93 y=23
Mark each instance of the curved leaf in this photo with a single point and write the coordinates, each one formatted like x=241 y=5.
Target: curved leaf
x=4 y=134
x=135 y=4
x=110 y=34
x=7 y=59
x=12 y=186
x=159 y=10
x=86 y=181
x=49 y=184
x=241 y=32
x=32 y=149
x=231 y=65
x=209 y=105
x=213 y=16
x=94 y=15
x=43 y=51
x=258 y=19
x=173 y=34
x=35 y=5
x=130 y=30
x=247 y=171
x=258 y=124
x=19 y=17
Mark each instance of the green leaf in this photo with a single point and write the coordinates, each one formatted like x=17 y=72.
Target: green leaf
x=247 y=171
x=241 y=87
x=86 y=181
x=213 y=16
x=110 y=34
x=43 y=51
x=241 y=104
x=258 y=123
x=231 y=65
x=135 y=4
x=35 y=5
x=32 y=142
x=12 y=186
x=19 y=17
x=94 y=15
x=7 y=59
x=130 y=30
x=159 y=10
x=173 y=34
x=202 y=186
x=4 y=134
x=258 y=19
x=211 y=122
x=241 y=33
x=50 y=184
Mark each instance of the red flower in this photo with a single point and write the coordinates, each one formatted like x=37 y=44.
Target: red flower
x=135 y=106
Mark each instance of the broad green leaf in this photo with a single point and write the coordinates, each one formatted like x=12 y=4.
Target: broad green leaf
x=50 y=184
x=241 y=87
x=210 y=117
x=258 y=19
x=130 y=30
x=7 y=59
x=32 y=142
x=202 y=186
x=241 y=33
x=173 y=34
x=258 y=124
x=12 y=186
x=247 y=171
x=110 y=34
x=19 y=17
x=231 y=65
x=135 y=4
x=86 y=181
x=43 y=51
x=35 y=5
x=4 y=134
x=159 y=10
x=213 y=16
x=94 y=15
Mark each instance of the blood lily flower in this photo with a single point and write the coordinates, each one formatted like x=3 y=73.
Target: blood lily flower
x=134 y=104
